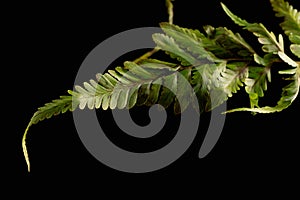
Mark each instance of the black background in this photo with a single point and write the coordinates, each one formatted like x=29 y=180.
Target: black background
x=47 y=43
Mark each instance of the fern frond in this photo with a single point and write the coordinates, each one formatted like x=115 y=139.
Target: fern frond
x=181 y=34
x=257 y=83
x=206 y=84
x=220 y=43
x=291 y=23
x=288 y=95
x=266 y=38
x=190 y=41
x=123 y=88
x=169 y=45
x=145 y=84
x=183 y=91
x=225 y=44
x=233 y=77
x=53 y=108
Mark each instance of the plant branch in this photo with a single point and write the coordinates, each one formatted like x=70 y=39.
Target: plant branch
x=146 y=55
x=170 y=10
x=169 y=6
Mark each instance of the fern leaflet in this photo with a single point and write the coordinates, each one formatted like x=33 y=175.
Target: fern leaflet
x=291 y=23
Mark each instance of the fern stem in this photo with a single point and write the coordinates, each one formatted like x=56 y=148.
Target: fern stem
x=236 y=59
x=170 y=19
x=170 y=10
x=25 y=148
x=146 y=55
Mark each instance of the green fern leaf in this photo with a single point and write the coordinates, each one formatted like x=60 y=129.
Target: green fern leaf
x=294 y=38
x=123 y=88
x=233 y=77
x=119 y=88
x=169 y=45
x=270 y=44
x=257 y=83
x=288 y=95
x=220 y=42
x=291 y=23
x=287 y=59
x=198 y=48
x=183 y=96
x=190 y=41
x=206 y=84
x=295 y=49
x=266 y=38
x=225 y=44
x=140 y=84
x=53 y=108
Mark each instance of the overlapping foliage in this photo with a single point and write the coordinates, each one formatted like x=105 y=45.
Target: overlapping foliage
x=216 y=63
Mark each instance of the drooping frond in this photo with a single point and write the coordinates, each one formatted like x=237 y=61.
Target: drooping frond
x=146 y=84
x=256 y=84
x=288 y=95
x=55 y=107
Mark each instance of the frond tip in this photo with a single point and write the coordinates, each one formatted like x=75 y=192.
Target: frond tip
x=55 y=107
x=25 y=148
